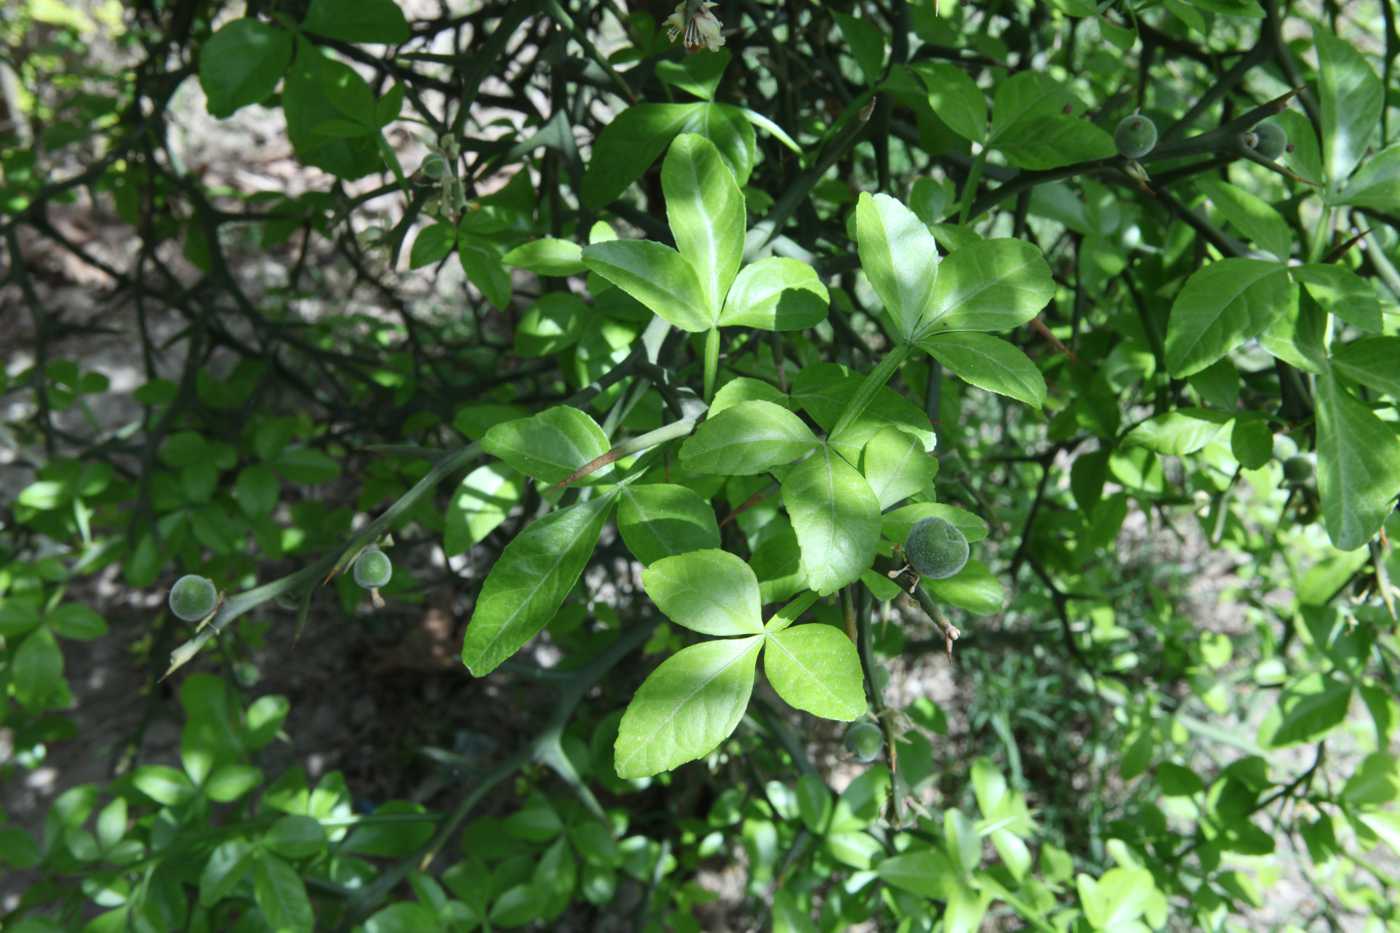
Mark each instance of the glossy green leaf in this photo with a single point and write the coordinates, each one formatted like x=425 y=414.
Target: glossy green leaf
x=706 y=212
x=836 y=516
x=657 y=276
x=433 y=244
x=551 y=324
x=242 y=63
x=659 y=520
x=163 y=784
x=866 y=43
x=314 y=86
x=1358 y=465
x=257 y=490
x=956 y=98
x=1251 y=216
x=1341 y=292
x=776 y=293
x=746 y=389
x=526 y=587
x=1222 y=306
x=1181 y=432
x=36 y=669
x=900 y=257
x=687 y=706
x=896 y=466
x=925 y=872
x=1373 y=362
x=482 y=500
x=1311 y=707
x=376 y=21
x=1376 y=183
x=228 y=865
x=895 y=525
x=989 y=363
x=280 y=894
x=627 y=146
x=751 y=437
x=547 y=256
x=815 y=668
x=988 y=285
x=550 y=445
x=403 y=917
x=1350 y=97
x=711 y=591
x=76 y=621
x=974 y=588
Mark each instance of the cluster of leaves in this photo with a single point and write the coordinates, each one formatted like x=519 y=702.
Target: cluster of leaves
x=904 y=277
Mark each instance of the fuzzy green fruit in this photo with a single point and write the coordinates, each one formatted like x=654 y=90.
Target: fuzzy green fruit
x=936 y=549
x=434 y=166
x=1135 y=136
x=1270 y=140
x=1297 y=470
x=373 y=568
x=193 y=597
x=864 y=740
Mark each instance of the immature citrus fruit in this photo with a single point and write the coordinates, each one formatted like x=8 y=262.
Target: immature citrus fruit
x=193 y=597
x=1135 y=136
x=936 y=549
x=373 y=568
x=863 y=739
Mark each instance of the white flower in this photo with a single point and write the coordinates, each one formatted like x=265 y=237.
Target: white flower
x=700 y=26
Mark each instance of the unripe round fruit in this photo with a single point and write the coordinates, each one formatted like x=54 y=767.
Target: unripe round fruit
x=1270 y=140
x=864 y=740
x=193 y=597
x=433 y=166
x=936 y=548
x=1297 y=470
x=1135 y=136
x=373 y=568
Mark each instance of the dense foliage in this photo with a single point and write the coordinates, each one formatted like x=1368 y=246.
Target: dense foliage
x=928 y=464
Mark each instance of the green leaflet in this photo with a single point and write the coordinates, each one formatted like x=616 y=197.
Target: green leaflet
x=526 y=587
x=900 y=258
x=1358 y=465
x=1373 y=362
x=836 y=517
x=974 y=588
x=775 y=293
x=711 y=591
x=547 y=256
x=815 y=668
x=988 y=285
x=550 y=445
x=480 y=503
x=706 y=212
x=687 y=706
x=896 y=466
x=747 y=438
x=1350 y=97
x=657 y=276
x=956 y=98
x=989 y=363
x=659 y=520
x=1222 y=306
x=242 y=63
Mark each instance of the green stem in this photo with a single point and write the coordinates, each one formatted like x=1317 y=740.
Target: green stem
x=974 y=178
x=711 y=362
x=874 y=382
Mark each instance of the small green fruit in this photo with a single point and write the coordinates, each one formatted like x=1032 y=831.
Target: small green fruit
x=1297 y=470
x=433 y=166
x=936 y=549
x=1270 y=140
x=373 y=568
x=193 y=597
x=864 y=740
x=1135 y=136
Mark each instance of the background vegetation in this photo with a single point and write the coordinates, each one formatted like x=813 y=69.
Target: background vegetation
x=286 y=280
